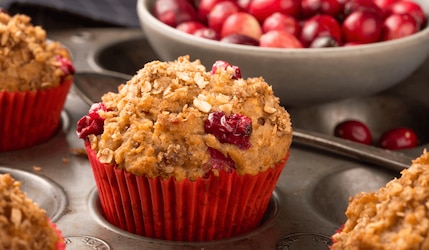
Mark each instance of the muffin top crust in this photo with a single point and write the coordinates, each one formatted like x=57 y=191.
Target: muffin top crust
x=394 y=217
x=27 y=60
x=175 y=119
x=23 y=225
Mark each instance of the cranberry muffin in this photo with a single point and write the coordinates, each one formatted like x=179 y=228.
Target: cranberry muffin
x=394 y=217
x=23 y=224
x=35 y=77
x=187 y=154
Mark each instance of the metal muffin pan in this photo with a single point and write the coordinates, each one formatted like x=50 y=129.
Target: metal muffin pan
x=307 y=206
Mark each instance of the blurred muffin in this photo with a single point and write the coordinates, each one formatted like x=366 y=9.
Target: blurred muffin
x=35 y=77
x=394 y=217
x=23 y=224
x=180 y=153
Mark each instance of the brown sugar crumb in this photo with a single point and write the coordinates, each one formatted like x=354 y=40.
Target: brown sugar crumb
x=394 y=217
x=154 y=125
x=23 y=225
x=81 y=152
x=27 y=60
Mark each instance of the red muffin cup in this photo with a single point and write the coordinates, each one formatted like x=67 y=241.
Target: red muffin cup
x=31 y=117
x=61 y=244
x=215 y=208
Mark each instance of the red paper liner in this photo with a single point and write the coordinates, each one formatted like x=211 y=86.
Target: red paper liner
x=61 y=244
x=215 y=208
x=31 y=117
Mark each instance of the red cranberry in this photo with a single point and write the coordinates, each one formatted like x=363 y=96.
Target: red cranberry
x=240 y=39
x=66 y=65
x=314 y=7
x=91 y=124
x=207 y=33
x=174 y=12
x=205 y=6
x=385 y=4
x=219 y=13
x=362 y=5
x=355 y=131
x=190 y=27
x=261 y=9
x=225 y=65
x=279 y=21
x=320 y=26
x=396 y=26
x=241 y=23
x=324 y=42
x=398 y=138
x=234 y=129
x=411 y=8
x=362 y=27
x=279 y=39
x=219 y=162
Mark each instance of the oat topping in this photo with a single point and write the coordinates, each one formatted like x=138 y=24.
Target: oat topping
x=23 y=225
x=394 y=217
x=154 y=125
x=27 y=60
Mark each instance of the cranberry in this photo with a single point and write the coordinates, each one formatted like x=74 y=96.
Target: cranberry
x=396 y=26
x=261 y=9
x=385 y=4
x=219 y=13
x=362 y=5
x=225 y=65
x=320 y=26
x=324 y=42
x=279 y=39
x=205 y=6
x=174 y=12
x=398 y=138
x=219 y=161
x=190 y=26
x=279 y=21
x=91 y=124
x=411 y=8
x=241 y=23
x=206 y=33
x=362 y=27
x=314 y=7
x=240 y=39
x=234 y=129
x=66 y=65
x=354 y=130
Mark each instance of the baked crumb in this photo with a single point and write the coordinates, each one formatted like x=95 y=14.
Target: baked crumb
x=23 y=225
x=27 y=60
x=154 y=125
x=394 y=217
x=37 y=168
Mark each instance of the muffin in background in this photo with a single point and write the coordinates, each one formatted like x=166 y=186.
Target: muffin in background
x=180 y=153
x=394 y=217
x=23 y=224
x=35 y=77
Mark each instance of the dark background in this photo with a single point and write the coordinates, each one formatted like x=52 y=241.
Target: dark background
x=64 y=14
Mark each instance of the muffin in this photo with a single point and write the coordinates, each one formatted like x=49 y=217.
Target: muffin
x=35 y=77
x=180 y=153
x=23 y=224
x=394 y=217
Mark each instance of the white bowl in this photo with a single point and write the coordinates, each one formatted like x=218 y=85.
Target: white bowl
x=300 y=77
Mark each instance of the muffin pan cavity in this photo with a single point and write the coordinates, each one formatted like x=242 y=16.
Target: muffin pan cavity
x=46 y=193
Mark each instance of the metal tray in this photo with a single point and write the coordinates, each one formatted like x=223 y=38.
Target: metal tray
x=307 y=205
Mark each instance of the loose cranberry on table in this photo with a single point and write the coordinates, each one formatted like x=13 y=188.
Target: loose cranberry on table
x=355 y=131
x=398 y=138
x=399 y=25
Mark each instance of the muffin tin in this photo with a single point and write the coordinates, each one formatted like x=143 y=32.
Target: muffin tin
x=307 y=205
